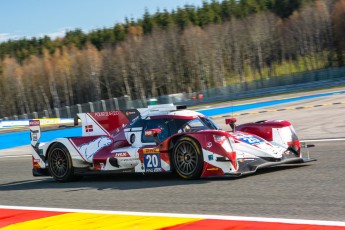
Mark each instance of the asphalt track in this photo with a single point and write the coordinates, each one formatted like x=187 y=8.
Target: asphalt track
x=313 y=191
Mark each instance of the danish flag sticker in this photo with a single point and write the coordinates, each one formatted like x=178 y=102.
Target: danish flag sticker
x=88 y=128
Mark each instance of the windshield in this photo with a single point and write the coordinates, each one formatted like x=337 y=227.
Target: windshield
x=197 y=124
x=171 y=126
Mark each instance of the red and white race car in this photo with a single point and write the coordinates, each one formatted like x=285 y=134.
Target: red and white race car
x=164 y=138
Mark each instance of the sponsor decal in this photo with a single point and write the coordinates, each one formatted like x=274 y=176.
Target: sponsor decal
x=212 y=169
x=129 y=113
x=209 y=144
x=210 y=157
x=122 y=154
x=107 y=114
x=150 y=150
x=154 y=170
x=130 y=160
x=34 y=122
x=90 y=149
x=88 y=128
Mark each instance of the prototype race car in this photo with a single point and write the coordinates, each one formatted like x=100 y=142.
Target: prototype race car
x=164 y=138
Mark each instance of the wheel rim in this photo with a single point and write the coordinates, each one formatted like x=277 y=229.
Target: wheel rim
x=58 y=162
x=186 y=158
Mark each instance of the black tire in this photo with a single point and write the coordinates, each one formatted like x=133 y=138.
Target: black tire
x=187 y=158
x=60 y=163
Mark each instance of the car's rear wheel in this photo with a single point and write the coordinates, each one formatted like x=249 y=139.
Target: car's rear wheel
x=187 y=158
x=60 y=163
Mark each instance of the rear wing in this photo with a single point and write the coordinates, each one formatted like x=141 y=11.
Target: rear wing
x=112 y=122
x=105 y=123
x=108 y=123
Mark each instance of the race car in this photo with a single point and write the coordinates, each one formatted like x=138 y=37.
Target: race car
x=162 y=139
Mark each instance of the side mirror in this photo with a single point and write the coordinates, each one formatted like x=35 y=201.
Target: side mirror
x=153 y=133
x=231 y=121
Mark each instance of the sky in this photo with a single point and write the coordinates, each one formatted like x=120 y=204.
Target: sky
x=37 y=18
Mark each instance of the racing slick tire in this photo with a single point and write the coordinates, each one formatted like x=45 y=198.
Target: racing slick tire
x=187 y=158
x=60 y=163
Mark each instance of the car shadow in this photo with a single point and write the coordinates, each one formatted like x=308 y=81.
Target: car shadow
x=280 y=168
x=102 y=182
x=127 y=181
x=262 y=171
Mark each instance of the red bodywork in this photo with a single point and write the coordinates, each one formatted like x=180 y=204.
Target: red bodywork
x=264 y=129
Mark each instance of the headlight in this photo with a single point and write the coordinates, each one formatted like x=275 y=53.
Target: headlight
x=223 y=141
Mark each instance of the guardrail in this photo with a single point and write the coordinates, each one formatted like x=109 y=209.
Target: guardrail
x=276 y=85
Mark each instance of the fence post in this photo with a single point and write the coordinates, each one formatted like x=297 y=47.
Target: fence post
x=79 y=108
x=116 y=103
x=35 y=115
x=25 y=116
x=68 y=111
x=104 y=106
x=57 y=112
x=128 y=102
x=15 y=117
x=91 y=107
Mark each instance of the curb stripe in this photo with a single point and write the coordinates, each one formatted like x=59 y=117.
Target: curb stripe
x=97 y=219
x=13 y=216
x=224 y=224
x=101 y=221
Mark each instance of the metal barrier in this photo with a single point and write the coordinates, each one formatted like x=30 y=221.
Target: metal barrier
x=274 y=85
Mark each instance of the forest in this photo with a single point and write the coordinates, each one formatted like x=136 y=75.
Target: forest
x=185 y=50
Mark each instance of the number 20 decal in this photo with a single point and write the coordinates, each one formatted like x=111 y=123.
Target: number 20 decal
x=152 y=161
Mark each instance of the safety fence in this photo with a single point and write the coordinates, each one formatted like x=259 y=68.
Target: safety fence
x=265 y=87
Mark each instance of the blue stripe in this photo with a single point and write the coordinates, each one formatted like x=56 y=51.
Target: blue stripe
x=9 y=140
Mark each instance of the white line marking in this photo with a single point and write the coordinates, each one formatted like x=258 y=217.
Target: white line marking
x=322 y=140
x=8 y=156
x=215 y=217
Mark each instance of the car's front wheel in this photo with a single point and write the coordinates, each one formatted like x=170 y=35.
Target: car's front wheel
x=187 y=158
x=60 y=163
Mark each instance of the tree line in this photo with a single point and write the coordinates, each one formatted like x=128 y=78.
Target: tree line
x=186 y=50
x=209 y=12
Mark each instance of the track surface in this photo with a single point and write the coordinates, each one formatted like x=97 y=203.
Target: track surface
x=311 y=191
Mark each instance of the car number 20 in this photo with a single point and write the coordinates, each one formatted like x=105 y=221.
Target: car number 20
x=152 y=161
